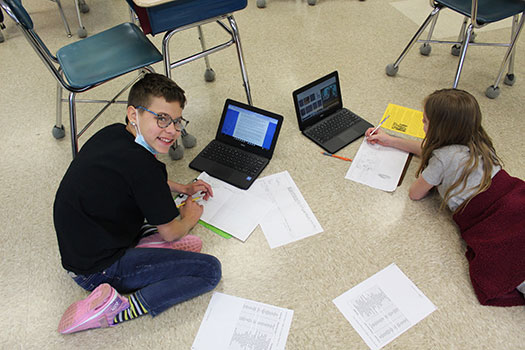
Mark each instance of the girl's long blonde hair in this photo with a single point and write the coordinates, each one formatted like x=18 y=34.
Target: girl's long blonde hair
x=454 y=118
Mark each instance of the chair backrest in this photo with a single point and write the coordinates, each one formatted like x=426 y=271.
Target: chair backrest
x=18 y=13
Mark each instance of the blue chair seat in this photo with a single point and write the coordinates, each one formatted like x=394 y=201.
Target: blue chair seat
x=489 y=11
x=107 y=55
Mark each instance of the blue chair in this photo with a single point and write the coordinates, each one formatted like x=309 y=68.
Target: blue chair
x=88 y=63
x=479 y=13
x=171 y=17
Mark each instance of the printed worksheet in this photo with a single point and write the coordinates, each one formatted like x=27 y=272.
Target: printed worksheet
x=384 y=306
x=231 y=209
x=377 y=166
x=233 y=323
x=290 y=218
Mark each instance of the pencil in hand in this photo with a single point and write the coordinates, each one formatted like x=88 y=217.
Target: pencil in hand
x=377 y=127
x=184 y=203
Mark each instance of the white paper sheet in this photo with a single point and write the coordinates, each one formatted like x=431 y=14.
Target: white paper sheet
x=384 y=306
x=290 y=218
x=377 y=166
x=231 y=209
x=233 y=323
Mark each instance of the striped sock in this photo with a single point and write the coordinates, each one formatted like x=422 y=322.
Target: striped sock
x=148 y=230
x=135 y=310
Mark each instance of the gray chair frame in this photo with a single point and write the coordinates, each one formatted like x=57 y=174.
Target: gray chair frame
x=465 y=39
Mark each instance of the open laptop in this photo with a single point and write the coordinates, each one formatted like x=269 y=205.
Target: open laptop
x=243 y=146
x=321 y=116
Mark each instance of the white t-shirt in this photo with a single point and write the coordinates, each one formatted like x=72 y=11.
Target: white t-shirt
x=446 y=165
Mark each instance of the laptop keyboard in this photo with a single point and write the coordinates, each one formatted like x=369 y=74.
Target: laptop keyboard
x=336 y=124
x=233 y=158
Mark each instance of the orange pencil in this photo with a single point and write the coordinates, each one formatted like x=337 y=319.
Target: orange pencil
x=336 y=156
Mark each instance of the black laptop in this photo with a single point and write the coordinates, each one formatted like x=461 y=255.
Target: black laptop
x=243 y=146
x=321 y=116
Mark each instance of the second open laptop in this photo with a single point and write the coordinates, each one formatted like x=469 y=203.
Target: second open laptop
x=322 y=117
x=243 y=146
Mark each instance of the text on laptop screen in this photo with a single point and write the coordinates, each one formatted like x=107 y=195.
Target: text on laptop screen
x=318 y=99
x=249 y=127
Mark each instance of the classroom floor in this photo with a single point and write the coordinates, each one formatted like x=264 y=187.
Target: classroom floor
x=286 y=45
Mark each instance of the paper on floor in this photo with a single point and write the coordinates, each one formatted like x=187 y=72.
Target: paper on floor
x=233 y=323
x=384 y=306
x=290 y=218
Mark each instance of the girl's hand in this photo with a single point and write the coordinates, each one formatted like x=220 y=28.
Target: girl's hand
x=199 y=186
x=379 y=137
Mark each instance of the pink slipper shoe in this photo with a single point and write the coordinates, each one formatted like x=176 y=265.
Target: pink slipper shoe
x=96 y=311
x=189 y=243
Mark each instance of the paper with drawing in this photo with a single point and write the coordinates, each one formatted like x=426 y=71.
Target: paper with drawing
x=377 y=166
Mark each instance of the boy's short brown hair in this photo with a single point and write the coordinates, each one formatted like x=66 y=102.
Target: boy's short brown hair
x=155 y=85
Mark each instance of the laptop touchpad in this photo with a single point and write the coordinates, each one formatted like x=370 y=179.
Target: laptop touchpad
x=220 y=171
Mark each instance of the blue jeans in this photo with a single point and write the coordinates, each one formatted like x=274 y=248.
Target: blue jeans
x=160 y=277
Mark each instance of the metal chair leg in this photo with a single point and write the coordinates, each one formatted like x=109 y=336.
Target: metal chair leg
x=464 y=47
x=58 y=130
x=509 y=77
x=82 y=32
x=425 y=48
x=73 y=124
x=392 y=68
x=209 y=74
x=455 y=50
x=61 y=11
x=166 y=54
x=509 y=53
x=237 y=39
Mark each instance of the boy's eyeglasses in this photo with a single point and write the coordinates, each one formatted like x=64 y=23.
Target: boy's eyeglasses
x=164 y=120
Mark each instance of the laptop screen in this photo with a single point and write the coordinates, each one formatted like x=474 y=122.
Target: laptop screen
x=317 y=99
x=249 y=127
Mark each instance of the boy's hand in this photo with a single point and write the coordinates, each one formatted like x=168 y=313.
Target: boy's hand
x=199 y=186
x=191 y=211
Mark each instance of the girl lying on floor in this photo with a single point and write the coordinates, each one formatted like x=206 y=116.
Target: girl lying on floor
x=457 y=157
